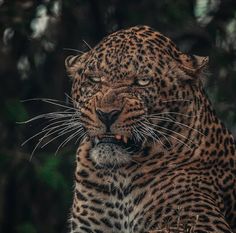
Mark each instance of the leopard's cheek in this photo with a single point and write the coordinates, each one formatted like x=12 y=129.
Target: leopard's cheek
x=89 y=118
x=82 y=94
x=149 y=99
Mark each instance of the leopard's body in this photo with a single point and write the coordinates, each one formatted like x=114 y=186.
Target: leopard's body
x=155 y=155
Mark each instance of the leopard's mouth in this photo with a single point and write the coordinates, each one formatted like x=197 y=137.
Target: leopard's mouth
x=122 y=141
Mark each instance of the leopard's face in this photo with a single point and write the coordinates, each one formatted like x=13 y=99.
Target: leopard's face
x=125 y=87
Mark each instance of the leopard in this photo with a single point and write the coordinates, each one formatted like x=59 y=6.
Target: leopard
x=155 y=158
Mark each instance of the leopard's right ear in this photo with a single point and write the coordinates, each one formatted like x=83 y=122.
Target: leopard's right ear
x=192 y=66
x=71 y=64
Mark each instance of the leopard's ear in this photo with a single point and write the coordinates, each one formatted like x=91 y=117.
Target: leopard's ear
x=192 y=65
x=71 y=64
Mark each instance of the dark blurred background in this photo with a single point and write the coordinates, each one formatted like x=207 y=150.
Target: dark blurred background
x=36 y=194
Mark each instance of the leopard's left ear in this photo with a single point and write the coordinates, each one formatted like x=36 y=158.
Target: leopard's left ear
x=192 y=65
x=70 y=63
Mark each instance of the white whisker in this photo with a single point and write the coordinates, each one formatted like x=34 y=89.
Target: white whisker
x=69 y=139
x=50 y=115
x=176 y=122
x=151 y=133
x=65 y=131
x=176 y=100
x=47 y=129
x=75 y=50
x=173 y=113
x=167 y=134
x=154 y=134
x=59 y=124
x=172 y=131
x=50 y=101
x=81 y=138
x=182 y=142
x=87 y=44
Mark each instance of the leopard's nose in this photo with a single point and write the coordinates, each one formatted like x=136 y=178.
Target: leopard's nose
x=108 y=118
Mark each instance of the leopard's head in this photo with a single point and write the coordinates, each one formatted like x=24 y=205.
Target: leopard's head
x=135 y=91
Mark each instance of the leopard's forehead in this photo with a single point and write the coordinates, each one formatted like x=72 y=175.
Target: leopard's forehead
x=137 y=50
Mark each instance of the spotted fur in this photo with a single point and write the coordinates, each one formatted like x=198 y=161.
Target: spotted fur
x=136 y=86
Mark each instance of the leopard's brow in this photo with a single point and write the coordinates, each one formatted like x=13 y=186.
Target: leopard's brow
x=140 y=73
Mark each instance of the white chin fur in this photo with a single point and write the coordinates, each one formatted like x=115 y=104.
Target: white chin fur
x=109 y=155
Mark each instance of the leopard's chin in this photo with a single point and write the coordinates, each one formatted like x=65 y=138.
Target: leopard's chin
x=112 y=152
x=109 y=155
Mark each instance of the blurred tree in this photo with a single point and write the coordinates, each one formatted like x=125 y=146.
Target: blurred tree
x=36 y=36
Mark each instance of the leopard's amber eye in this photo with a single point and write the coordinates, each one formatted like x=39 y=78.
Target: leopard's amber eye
x=95 y=79
x=144 y=81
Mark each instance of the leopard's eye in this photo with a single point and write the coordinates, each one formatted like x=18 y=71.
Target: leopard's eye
x=144 y=81
x=95 y=79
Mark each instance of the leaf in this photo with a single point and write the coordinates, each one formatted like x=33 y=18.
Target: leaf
x=49 y=173
x=5 y=162
x=15 y=110
x=26 y=228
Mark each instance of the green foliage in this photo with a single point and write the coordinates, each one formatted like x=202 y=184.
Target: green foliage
x=50 y=174
x=26 y=228
x=15 y=110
